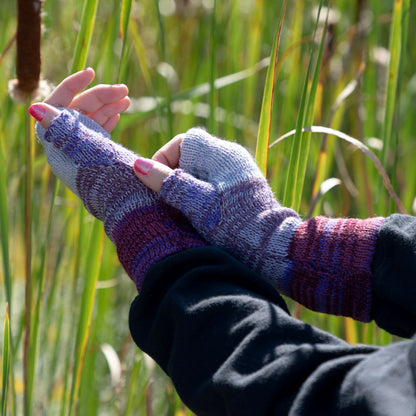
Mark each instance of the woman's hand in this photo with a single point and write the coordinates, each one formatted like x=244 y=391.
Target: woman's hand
x=152 y=172
x=102 y=103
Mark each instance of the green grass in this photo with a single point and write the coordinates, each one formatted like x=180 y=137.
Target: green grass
x=266 y=113
x=247 y=72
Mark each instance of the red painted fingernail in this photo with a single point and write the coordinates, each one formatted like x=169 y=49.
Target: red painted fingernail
x=143 y=166
x=37 y=111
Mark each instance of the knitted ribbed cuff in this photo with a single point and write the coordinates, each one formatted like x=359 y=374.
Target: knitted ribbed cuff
x=331 y=265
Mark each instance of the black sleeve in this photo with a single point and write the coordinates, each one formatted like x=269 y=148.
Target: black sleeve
x=394 y=276
x=230 y=347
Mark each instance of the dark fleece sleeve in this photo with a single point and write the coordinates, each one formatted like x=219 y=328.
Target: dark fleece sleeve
x=394 y=276
x=230 y=347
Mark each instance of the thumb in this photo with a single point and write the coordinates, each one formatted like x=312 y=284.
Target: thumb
x=151 y=172
x=43 y=113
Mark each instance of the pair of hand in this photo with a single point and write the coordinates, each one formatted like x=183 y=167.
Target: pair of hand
x=218 y=188
x=323 y=263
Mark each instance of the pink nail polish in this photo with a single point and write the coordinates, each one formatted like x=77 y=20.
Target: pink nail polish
x=37 y=111
x=143 y=166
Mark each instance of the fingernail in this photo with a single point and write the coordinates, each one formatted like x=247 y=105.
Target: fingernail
x=143 y=166
x=37 y=111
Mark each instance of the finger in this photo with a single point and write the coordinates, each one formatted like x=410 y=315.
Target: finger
x=151 y=173
x=43 y=113
x=111 y=123
x=170 y=153
x=65 y=92
x=109 y=110
x=96 y=97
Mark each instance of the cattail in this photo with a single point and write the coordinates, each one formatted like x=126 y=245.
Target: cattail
x=28 y=60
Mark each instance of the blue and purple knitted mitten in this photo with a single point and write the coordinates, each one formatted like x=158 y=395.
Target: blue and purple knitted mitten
x=323 y=263
x=100 y=172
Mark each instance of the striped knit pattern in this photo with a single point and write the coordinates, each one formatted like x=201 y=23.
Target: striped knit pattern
x=84 y=157
x=331 y=265
x=149 y=234
x=325 y=264
x=100 y=172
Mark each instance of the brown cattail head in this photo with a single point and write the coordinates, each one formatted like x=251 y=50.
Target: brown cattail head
x=28 y=40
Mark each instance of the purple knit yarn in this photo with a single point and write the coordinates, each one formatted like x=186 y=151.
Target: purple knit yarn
x=331 y=265
x=149 y=234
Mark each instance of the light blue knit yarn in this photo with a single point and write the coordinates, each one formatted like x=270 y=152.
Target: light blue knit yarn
x=61 y=165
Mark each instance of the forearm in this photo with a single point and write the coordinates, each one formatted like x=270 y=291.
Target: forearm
x=230 y=347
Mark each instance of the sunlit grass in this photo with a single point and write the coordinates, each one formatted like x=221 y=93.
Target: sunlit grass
x=299 y=153
x=200 y=63
x=266 y=114
x=6 y=361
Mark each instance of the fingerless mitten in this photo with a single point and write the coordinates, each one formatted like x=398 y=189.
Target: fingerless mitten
x=100 y=172
x=323 y=263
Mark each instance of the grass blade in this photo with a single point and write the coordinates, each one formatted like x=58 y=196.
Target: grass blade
x=139 y=48
x=37 y=310
x=350 y=331
x=212 y=92
x=294 y=57
x=324 y=187
x=315 y=85
x=168 y=93
x=124 y=24
x=28 y=367
x=84 y=36
x=87 y=303
x=6 y=361
x=253 y=55
x=300 y=146
x=263 y=136
x=393 y=74
x=7 y=48
x=395 y=48
x=4 y=224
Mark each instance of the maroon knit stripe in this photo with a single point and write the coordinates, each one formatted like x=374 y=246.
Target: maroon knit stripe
x=148 y=235
x=332 y=265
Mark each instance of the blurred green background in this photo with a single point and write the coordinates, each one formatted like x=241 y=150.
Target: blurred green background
x=186 y=63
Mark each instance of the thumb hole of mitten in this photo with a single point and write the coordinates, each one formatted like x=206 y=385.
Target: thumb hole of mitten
x=151 y=172
x=43 y=113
